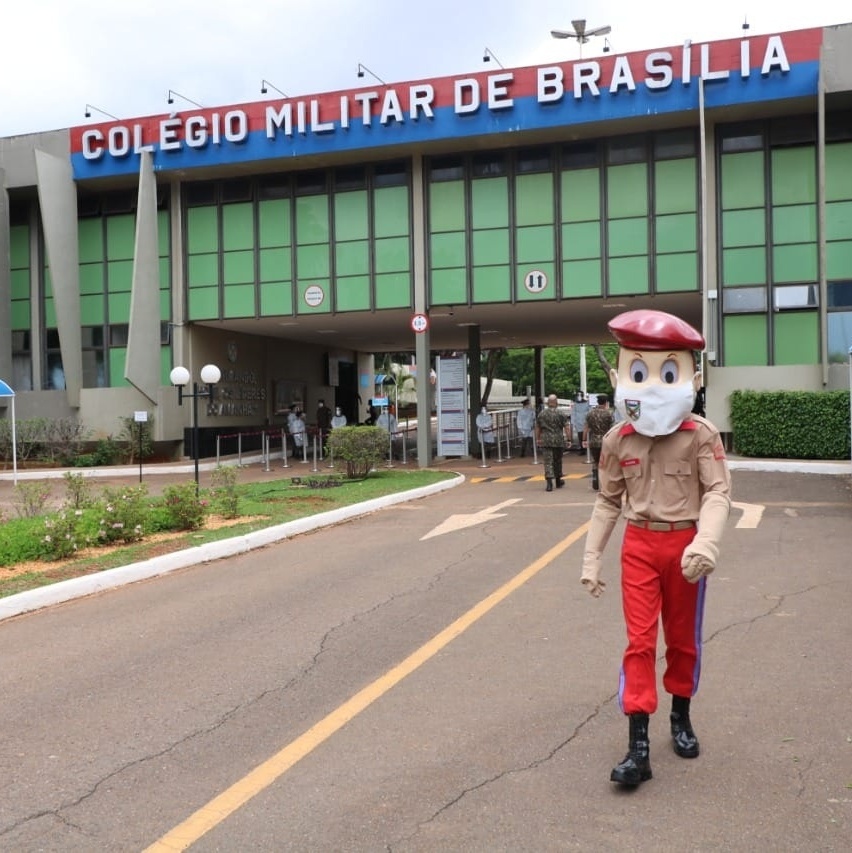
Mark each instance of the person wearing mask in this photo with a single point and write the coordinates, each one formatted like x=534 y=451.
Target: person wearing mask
x=664 y=470
x=598 y=423
x=339 y=419
x=551 y=427
x=297 y=429
x=485 y=431
x=526 y=423
x=323 y=421
x=387 y=421
x=579 y=413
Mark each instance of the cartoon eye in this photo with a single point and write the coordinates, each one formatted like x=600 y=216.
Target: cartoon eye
x=669 y=371
x=638 y=370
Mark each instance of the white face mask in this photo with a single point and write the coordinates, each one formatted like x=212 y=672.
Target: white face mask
x=656 y=409
x=483 y=411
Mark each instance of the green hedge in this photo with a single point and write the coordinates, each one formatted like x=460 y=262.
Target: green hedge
x=791 y=424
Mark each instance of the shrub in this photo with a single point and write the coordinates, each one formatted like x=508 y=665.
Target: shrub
x=121 y=514
x=185 y=508
x=78 y=490
x=61 y=536
x=30 y=498
x=21 y=541
x=129 y=437
x=224 y=493
x=360 y=447
x=108 y=452
x=791 y=424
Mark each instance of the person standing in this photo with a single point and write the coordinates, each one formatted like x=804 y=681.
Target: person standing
x=550 y=433
x=598 y=424
x=664 y=469
x=296 y=422
x=485 y=431
x=339 y=419
x=526 y=423
x=323 y=422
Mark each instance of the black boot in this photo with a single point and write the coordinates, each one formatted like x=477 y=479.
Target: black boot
x=683 y=738
x=559 y=482
x=595 y=481
x=636 y=766
x=549 y=486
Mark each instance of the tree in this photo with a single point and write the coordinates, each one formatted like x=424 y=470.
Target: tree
x=492 y=357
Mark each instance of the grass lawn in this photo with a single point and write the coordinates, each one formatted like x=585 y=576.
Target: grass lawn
x=260 y=505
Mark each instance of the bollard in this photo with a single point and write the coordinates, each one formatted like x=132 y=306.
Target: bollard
x=484 y=463
x=217 y=450
x=535 y=450
x=390 y=450
x=267 y=467
x=284 y=449
x=315 y=453
x=240 y=450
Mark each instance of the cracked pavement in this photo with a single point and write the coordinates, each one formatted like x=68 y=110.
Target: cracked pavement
x=125 y=712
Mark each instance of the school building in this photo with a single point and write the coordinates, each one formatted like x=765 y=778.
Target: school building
x=287 y=240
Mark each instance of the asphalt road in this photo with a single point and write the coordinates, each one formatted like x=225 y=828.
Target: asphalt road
x=363 y=688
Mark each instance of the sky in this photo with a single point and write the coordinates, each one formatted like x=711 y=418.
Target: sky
x=122 y=58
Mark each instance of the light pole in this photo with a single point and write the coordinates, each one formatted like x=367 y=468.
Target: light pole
x=179 y=377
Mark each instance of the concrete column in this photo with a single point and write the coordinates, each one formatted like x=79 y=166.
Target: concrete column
x=422 y=340
x=474 y=369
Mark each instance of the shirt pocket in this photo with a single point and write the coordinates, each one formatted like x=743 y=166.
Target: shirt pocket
x=678 y=485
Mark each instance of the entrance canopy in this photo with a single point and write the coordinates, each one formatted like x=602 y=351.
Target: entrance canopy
x=6 y=391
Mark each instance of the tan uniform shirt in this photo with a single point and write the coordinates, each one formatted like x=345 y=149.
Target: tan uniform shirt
x=664 y=478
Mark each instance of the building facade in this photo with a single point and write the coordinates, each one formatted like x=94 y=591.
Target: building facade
x=289 y=240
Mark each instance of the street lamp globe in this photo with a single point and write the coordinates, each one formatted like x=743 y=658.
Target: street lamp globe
x=179 y=376
x=210 y=374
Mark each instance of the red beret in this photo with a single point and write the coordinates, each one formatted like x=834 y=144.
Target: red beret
x=654 y=330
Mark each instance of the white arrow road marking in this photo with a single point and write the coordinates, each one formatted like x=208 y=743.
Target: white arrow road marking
x=752 y=513
x=459 y=522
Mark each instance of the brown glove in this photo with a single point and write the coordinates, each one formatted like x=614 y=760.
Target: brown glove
x=699 y=557
x=604 y=517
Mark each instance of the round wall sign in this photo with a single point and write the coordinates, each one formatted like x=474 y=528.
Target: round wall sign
x=314 y=295
x=535 y=281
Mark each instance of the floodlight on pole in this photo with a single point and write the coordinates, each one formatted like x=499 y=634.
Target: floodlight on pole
x=580 y=34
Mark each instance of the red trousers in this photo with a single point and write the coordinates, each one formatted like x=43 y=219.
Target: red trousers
x=652 y=586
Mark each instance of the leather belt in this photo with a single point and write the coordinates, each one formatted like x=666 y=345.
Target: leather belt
x=660 y=526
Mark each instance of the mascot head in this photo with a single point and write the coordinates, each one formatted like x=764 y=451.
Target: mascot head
x=656 y=380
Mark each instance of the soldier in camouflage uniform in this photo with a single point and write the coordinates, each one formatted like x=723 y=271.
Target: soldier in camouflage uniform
x=550 y=434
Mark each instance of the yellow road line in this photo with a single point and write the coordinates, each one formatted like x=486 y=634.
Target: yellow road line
x=257 y=780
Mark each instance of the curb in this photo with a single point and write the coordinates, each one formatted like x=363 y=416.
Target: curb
x=36 y=599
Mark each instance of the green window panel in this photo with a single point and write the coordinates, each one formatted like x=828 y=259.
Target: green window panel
x=677 y=272
x=90 y=240
x=353 y=293
x=202 y=230
x=534 y=244
x=203 y=303
x=237 y=226
x=447 y=250
x=675 y=186
x=448 y=287
x=793 y=175
x=19 y=247
x=797 y=337
x=742 y=180
x=238 y=300
x=312 y=219
x=91 y=277
x=117 y=358
x=165 y=272
x=202 y=271
x=391 y=214
x=794 y=263
x=838 y=260
x=118 y=306
x=582 y=278
x=276 y=264
x=165 y=305
x=743 y=266
x=628 y=275
x=534 y=199
x=120 y=236
x=393 y=290
x=838 y=171
x=549 y=290
x=164 y=242
x=581 y=195
x=20 y=284
x=49 y=314
x=794 y=224
x=581 y=240
x=352 y=258
x=302 y=306
x=446 y=207
x=491 y=247
x=92 y=310
x=393 y=254
x=492 y=284
x=20 y=317
x=744 y=228
x=165 y=365
x=273 y=222
x=119 y=276
x=313 y=261
x=276 y=298
x=238 y=267
x=745 y=340
x=838 y=220
x=351 y=216
x=676 y=233
x=627 y=190
x=489 y=203
x=48 y=281
x=627 y=237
